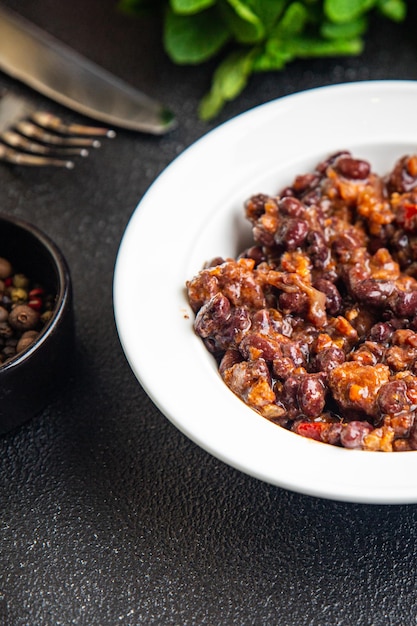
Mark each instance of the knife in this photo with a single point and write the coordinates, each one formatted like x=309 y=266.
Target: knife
x=37 y=59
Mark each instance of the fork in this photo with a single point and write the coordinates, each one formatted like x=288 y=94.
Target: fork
x=33 y=137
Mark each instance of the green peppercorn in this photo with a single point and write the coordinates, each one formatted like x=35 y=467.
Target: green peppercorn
x=18 y=294
x=46 y=316
x=23 y=317
x=21 y=281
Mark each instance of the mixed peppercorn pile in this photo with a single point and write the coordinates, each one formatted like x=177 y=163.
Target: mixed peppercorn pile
x=315 y=325
x=25 y=308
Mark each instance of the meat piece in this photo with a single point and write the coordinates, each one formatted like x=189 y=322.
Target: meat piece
x=250 y=381
x=356 y=386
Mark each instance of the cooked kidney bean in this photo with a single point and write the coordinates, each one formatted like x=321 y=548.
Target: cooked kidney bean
x=212 y=316
x=317 y=248
x=353 y=434
x=328 y=359
x=381 y=332
x=403 y=178
x=353 y=168
x=311 y=395
x=296 y=302
x=292 y=233
x=373 y=292
x=405 y=304
x=255 y=206
x=314 y=326
x=333 y=297
x=392 y=397
x=292 y=207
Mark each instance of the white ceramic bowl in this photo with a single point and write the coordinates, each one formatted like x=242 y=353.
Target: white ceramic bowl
x=192 y=213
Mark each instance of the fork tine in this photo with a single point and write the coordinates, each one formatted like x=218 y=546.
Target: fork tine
x=38 y=138
x=15 y=140
x=35 y=132
x=52 y=122
x=19 y=158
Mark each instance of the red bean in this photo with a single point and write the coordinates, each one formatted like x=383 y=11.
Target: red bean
x=293 y=233
x=392 y=397
x=328 y=359
x=212 y=316
x=255 y=206
x=355 y=169
x=333 y=297
x=353 y=434
x=405 y=304
x=373 y=292
x=311 y=395
x=292 y=207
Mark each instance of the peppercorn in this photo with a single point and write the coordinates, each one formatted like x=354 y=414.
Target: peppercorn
x=5 y=268
x=21 y=281
x=4 y=314
x=25 y=307
x=9 y=351
x=26 y=340
x=5 y=330
x=46 y=316
x=18 y=294
x=23 y=317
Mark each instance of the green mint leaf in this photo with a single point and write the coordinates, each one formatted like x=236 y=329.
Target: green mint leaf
x=293 y=21
x=210 y=105
x=347 y=30
x=274 y=57
x=194 y=38
x=309 y=47
x=268 y=11
x=395 y=10
x=188 y=7
x=346 y=10
x=229 y=80
x=278 y=52
x=243 y=23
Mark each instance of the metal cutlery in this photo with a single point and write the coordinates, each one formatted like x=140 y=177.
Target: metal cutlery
x=34 y=57
x=29 y=136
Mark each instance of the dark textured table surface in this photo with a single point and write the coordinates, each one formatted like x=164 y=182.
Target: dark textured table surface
x=108 y=514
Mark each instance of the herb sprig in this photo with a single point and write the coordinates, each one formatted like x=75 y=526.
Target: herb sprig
x=260 y=35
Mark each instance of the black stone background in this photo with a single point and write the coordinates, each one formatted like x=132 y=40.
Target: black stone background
x=109 y=515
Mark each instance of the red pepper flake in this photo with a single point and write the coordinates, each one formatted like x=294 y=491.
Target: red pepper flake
x=311 y=430
x=410 y=210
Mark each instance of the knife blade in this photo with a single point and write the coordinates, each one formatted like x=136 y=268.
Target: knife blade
x=36 y=58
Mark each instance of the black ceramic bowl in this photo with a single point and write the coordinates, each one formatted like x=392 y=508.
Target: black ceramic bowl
x=29 y=378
